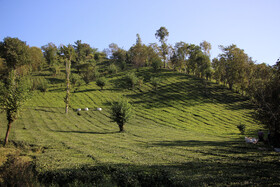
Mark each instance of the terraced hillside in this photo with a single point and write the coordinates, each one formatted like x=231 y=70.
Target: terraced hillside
x=183 y=133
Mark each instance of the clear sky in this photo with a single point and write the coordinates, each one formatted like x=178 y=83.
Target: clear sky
x=253 y=25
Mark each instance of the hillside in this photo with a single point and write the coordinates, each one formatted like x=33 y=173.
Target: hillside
x=183 y=133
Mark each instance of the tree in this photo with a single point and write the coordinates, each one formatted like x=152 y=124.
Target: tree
x=234 y=61
x=101 y=82
x=13 y=94
x=206 y=47
x=16 y=54
x=50 y=52
x=131 y=79
x=68 y=53
x=37 y=58
x=267 y=99
x=155 y=81
x=162 y=34
x=121 y=113
x=138 y=53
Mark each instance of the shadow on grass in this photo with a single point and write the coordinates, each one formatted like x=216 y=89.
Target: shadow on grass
x=87 y=132
x=44 y=110
x=53 y=80
x=192 y=173
x=190 y=93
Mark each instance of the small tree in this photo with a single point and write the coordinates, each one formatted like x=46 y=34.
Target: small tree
x=13 y=94
x=131 y=79
x=121 y=112
x=112 y=69
x=101 y=82
x=155 y=81
x=156 y=64
x=241 y=128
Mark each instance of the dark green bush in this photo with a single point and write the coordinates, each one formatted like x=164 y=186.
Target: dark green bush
x=241 y=128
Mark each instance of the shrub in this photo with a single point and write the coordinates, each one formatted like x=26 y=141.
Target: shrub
x=241 y=128
x=101 y=82
x=112 y=69
x=76 y=80
x=155 y=81
x=41 y=84
x=131 y=80
x=156 y=64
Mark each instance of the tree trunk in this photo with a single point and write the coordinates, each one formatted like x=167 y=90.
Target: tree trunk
x=121 y=127
x=67 y=98
x=8 y=132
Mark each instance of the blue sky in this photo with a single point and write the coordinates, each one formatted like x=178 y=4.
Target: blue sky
x=253 y=25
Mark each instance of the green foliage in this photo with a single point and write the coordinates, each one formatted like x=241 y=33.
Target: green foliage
x=155 y=81
x=15 y=52
x=241 y=128
x=76 y=80
x=131 y=79
x=40 y=84
x=50 y=53
x=121 y=112
x=13 y=95
x=101 y=82
x=156 y=64
x=112 y=69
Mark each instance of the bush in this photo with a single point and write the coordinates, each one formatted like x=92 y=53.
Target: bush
x=101 y=82
x=241 y=128
x=156 y=64
x=76 y=80
x=131 y=79
x=112 y=69
x=155 y=81
x=41 y=84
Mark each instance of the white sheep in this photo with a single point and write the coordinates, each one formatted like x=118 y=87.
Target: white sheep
x=99 y=109
x=78 y=110
x=86 y=109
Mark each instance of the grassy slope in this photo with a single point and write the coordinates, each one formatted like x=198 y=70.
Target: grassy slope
x=178 y=128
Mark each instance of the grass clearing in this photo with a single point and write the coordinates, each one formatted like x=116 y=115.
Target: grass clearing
x=182 y=134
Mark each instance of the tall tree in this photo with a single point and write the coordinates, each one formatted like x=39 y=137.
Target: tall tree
x=234 y=60
x=50 y=52
x=138 y=53
x=37 y=58
x=267 y=99
x=162 y=34
x=206 y=47
x=68 y=54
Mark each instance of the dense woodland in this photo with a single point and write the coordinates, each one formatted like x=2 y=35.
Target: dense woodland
x=232 y=68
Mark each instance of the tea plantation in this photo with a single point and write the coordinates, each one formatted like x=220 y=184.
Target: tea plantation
x=182 y=134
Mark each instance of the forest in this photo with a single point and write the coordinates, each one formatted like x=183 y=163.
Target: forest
x=80 y=65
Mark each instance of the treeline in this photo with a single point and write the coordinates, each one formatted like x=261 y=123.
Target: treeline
x=232 y=67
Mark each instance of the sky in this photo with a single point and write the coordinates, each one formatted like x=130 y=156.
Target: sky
x=253 y=25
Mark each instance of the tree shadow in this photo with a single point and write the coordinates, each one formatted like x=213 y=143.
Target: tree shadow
x=190 y=93
x=87 y=132
x=53 y=80
x=191 y=173
x=44 y=110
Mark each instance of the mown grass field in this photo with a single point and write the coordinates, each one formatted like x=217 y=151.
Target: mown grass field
x=182 y=134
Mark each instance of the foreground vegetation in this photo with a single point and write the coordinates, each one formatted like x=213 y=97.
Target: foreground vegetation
x=183 y=133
